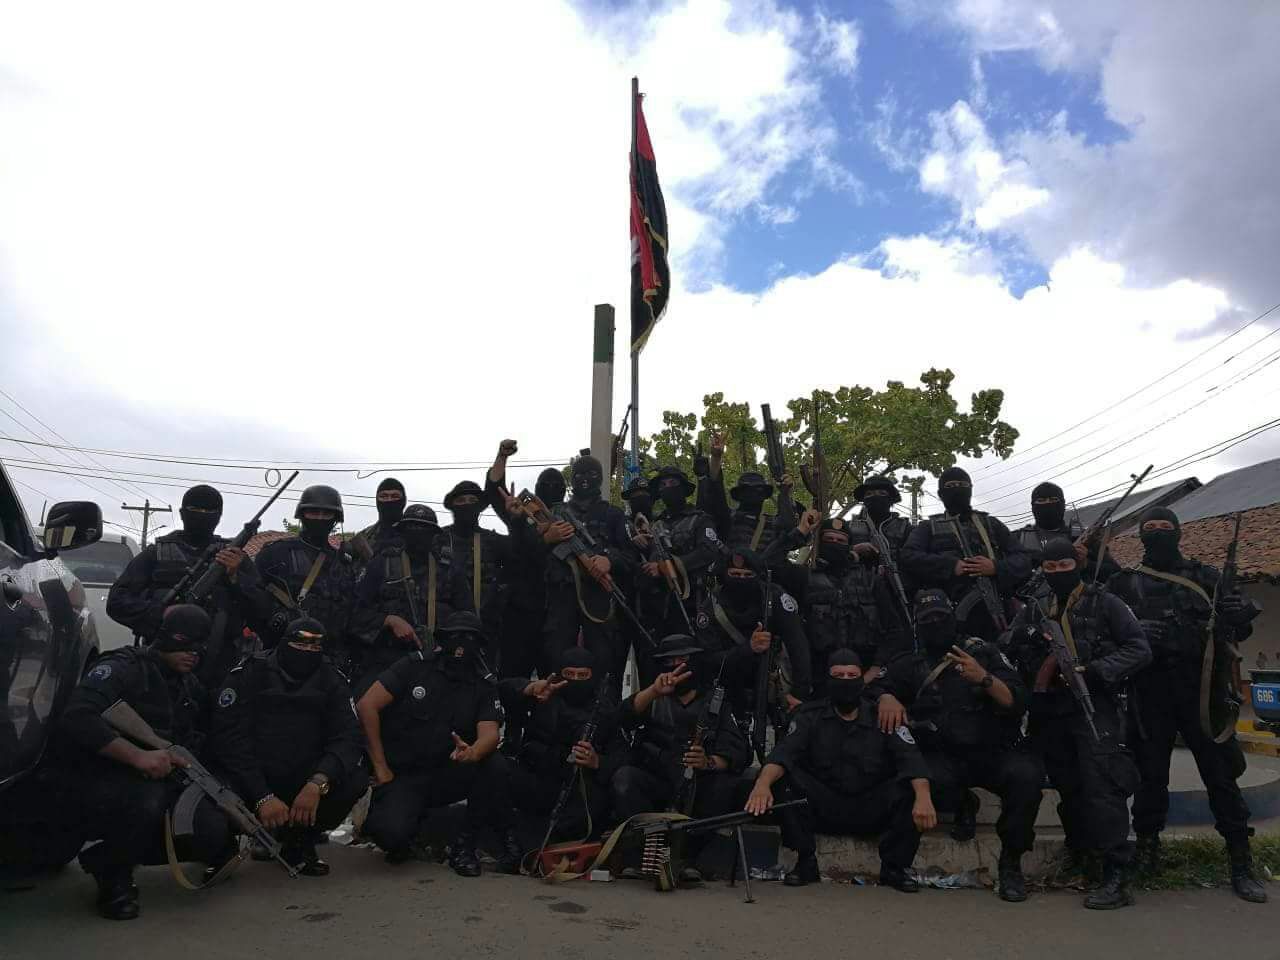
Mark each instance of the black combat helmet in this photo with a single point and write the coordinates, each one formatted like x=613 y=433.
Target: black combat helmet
x=320 y=497
x=418 y=515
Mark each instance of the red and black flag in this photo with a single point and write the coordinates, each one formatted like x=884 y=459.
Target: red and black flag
x=650 y=274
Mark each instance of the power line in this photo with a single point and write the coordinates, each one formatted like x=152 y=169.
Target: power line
x=1148 y=386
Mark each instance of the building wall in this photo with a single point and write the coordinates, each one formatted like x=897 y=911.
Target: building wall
x=1266 y=629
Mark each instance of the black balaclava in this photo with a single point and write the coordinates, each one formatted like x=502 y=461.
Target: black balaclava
x=418 y=529
x=740 y=594
x=550 y=487
x=461 y=640
x=586 y=476
x=578 y=693
x=641 y=504
x=1049 y=516
x=672 y=488
x=878 y=495
x=955 y=499
x=184 y=628
x=834 y=554
x=299 y=664
x=1060 y=548
x=1160 y=547
x=316 y=532
x=751 y=492
x=199 y=527
x=935 y=622
x=846 y=694
x=391 y=511
x=466 y=516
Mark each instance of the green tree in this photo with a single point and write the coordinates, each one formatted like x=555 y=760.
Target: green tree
x=864 y=432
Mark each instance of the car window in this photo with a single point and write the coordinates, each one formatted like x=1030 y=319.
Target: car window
x=100 y=562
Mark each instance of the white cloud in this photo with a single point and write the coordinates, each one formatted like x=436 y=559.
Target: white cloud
x=838 y=42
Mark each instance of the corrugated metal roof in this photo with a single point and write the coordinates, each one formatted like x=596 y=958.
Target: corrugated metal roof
x=1140 y=500
x=1244 y=489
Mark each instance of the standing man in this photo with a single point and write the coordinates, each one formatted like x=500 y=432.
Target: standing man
x=857 y=778
x=432 y=727
x=1185 y=692
x=878 y=495
x=576 y=603
x=1085 y=753
x=694 y=545
x=747 y=527
x=308 y=576
x=1049 y=520
x=966 y=703
x=124 y=788
x=971 y=555
x=284 y=728
x=390 y=502
x=481 y=557
x=137 y=598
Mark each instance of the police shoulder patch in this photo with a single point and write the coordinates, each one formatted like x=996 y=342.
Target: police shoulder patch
x=789 y=603
x=419 y=692
x=1005 y=661
x=703 y=620
x=905 y=735
x=711 y=534
x=227 y=697
x=101 y=672
x=793 y=727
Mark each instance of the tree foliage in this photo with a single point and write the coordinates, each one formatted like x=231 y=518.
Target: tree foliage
x=865 y=432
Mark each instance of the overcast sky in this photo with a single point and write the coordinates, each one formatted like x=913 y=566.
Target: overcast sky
x=370 y=233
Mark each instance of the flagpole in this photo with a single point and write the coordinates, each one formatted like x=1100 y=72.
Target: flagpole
x=635 y=355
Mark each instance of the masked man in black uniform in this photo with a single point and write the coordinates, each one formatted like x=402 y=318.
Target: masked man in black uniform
x=390 y=501
x=877 y=496
x=1049 y=513
x=307 y=576
x=954 y=550
x=432 y=727
x=1173 y=597
x=858 y=779
x=1094 y=773
x=284 y=729
x=124 y=788
x=137 y=598
x=966 y=701
x=482 y=557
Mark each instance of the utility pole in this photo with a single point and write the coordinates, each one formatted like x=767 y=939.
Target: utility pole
x=146 y=510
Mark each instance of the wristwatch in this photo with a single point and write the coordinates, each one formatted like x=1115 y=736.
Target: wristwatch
x=988 y=681
x=321 y=781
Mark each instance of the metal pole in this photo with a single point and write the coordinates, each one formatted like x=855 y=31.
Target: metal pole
x=635 y=357
x=602 y=387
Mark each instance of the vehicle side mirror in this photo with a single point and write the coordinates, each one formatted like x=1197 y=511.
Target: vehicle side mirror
x=72 y=524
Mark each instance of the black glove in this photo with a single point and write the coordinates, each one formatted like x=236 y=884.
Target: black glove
x=1236 y=610
x=701 y=465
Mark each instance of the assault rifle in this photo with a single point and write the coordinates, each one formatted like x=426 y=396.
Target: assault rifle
x=773 y=445
x=1229 y=679
x=1068 y=666
x=206 y=574
x=815 y=480
x=891 y=567
x=660 y=553
x=985 y=586
x=764 y=674
x=577 y=550
x=200 y=783
x=703 y=734
x=589 y=732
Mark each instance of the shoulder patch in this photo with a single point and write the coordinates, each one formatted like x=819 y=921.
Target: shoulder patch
x=101 y=672
x=226 y=698
x=905 y=735
x=419 y=692
x=792 y=728
x=789 y=602
x=1005 y=661
x=711 y=534
x=703 y=620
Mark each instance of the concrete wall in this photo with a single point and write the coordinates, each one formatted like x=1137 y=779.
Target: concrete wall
x=1266 y=629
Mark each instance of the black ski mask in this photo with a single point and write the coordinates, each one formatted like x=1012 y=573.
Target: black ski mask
x=316 y=532
x=301 y=650
x=739 y=592
x=1052 y=513
x=1160 y=547
x=184 y=628
x=418 y=539
x=955 y=490
x=586 y=475
x=550 y=487
x=845 y=693
x=833 y=548
x=1061 y=582
x=466 y=502
x=877 y=496
x=200 y=512
x=390 y=511
x=935 y=622
x=578 y=693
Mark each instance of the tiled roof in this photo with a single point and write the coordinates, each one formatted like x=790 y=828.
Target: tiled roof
x=1206 y=540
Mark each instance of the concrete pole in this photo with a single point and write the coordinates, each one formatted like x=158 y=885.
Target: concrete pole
x=602 y=386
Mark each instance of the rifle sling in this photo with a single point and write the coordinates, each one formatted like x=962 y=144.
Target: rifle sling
x=758 y=533
x=575 y=567
x=933 y=676
x=1206 y=661
x=1065 y=620
x=406 y=571
x=722 y=618
x=283 y=596
x=986 y=538
x=175 y=867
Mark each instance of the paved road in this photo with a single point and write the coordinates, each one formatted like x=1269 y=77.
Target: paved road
x=370 y=911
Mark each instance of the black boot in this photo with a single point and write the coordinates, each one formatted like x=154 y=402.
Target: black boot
x=1243 y=880
x=966 y=824
x=901 y=880
x=1012 y=885
x=462 y=855
x=1073 y=869
x=1146 y=855
x=117 y=894
x=1113 y=893
x=512 y=853
x=805 y=871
